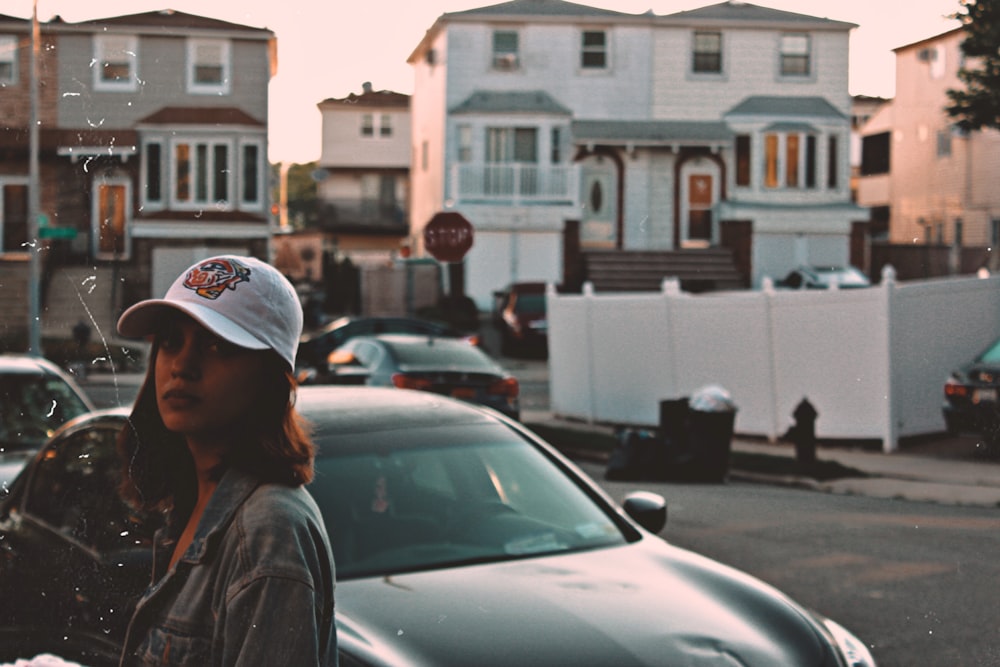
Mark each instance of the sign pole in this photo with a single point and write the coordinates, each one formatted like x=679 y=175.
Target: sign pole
x=34 y=199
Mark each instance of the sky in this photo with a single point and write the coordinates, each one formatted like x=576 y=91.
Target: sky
x=329 y=48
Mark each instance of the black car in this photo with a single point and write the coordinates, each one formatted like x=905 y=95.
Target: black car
x=444 y=366
x=460 y=538
x=315 y=346
x=972 y=397
x=519 y=314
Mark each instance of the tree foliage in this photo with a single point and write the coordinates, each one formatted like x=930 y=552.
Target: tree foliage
x=978 y=104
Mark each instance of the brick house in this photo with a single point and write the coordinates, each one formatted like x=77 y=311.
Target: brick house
x=153 y=153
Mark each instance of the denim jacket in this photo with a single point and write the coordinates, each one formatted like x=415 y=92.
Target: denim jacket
x=255 y=587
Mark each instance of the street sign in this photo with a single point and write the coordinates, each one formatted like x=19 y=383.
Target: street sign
x=448 y=236
x=57 y=232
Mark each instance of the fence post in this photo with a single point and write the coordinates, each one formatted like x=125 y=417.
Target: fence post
x=890 y=435
x=767 y=290
x=588 y=298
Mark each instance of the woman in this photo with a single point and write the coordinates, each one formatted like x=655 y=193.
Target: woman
x=242 y=570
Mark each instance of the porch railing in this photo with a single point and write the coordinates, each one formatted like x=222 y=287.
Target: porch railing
x=514 y=183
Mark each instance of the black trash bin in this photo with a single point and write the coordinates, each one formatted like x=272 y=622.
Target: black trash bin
x=711 y=418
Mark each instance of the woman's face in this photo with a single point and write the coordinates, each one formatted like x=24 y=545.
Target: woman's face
x=206 y=387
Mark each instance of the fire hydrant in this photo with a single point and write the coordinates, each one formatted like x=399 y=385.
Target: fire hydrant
x=803 y=433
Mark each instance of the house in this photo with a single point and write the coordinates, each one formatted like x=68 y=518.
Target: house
x=724 y=125
x=933 y=185
x=363 y=180
x=152 y=153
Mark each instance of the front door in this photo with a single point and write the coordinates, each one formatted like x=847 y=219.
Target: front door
x=598 y=212
x=699 y=195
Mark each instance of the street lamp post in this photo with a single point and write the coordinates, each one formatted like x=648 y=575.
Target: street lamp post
x=34 y=198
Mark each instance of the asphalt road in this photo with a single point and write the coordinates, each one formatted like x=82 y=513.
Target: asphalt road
x=916 y=581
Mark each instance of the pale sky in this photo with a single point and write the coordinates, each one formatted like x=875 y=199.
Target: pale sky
x=328 y=48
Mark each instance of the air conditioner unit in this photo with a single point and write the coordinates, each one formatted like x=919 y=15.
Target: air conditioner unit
x=505 y=61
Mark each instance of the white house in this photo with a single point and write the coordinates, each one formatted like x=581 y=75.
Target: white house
x=654 y=132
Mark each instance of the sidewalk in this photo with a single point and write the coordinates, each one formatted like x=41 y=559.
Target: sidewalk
x=929 y=477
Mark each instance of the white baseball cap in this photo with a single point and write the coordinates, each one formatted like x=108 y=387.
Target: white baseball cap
x=240 y=299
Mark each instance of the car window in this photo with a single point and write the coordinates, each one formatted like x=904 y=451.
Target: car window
x=992 y=353
x=404 y=508
x=367 y=353
x=77 y=480
x=440 y=354
x=34 y=406
x=530 y=304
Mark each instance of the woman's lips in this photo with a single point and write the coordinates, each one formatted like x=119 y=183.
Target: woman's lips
x=179 y=398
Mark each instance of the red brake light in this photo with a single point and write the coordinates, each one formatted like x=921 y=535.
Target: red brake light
x=505 y=387
x=953 y=389
x=403 y=381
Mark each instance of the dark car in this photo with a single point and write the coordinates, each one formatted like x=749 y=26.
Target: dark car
x=972 y=397
x=519 y=315
x=460 y=538
x=314 y=347
x=824 y=277
x=440 y=365
x=36 y=397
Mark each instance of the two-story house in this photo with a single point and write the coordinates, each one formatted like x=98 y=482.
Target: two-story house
x=933 y=184
x=652 y=132
x=152 y=151
x=363 y=188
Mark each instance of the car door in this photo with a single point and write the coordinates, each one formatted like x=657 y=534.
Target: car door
x=76 y=558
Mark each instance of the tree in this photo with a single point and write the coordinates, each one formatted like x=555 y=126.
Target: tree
x=978 y=105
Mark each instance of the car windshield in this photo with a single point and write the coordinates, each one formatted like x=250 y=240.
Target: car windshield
x=32 y=407
x=992 y=353
x=430 y=499
x=528 y=303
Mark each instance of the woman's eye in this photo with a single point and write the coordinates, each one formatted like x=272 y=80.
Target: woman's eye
x=222 y=348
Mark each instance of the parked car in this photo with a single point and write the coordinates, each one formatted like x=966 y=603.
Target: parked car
x=824 y=277
x=36 y=397
x=972 y=397
x=520 y=317
x=460 y=538
x=314 y=347
x=445 y=366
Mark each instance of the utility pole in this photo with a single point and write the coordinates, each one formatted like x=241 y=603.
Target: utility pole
x=34 y=199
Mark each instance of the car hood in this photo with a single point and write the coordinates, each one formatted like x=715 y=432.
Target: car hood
x=646 y=603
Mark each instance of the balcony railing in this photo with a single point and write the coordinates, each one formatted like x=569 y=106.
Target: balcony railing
x=361 y=212
x=514 y=183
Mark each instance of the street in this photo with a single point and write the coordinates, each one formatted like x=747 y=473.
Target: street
x=914 y=580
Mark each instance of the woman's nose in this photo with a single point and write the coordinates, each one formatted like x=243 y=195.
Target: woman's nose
x=186 y=361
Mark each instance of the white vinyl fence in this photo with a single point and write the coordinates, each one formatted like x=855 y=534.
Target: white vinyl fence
x=872 y=361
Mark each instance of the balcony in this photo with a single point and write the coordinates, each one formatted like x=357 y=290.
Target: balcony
x=362 y=215
x=514 y=183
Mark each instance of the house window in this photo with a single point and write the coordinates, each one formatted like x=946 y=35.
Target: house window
x=14 y=216
x=795 y=55
x=944 y=143
x=959 y=228
x=832 y=162
x=505 y=50
x=367 y=125
x=792 y=160
x=743 y=157
x=8 y=59
x=201 y=173
x=385 y=125
x=464 y=143
x=994 y=234
x=250 y=187
x=111 y=220
x=875 y=154
x=512 y=156
x=594 y=52
x=208 y=66
x=707 y=57
x=555 y=156
x=810 y=161
x=771 y=160
x=153 y=191
x=115 y=62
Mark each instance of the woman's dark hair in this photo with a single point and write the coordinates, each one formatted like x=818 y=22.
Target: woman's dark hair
x=275 y=443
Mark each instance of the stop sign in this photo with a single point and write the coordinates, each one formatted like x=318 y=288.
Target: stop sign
x=448 y=236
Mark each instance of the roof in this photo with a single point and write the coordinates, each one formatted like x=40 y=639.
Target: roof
x=170 y=19
x=201 y=116
x=535 y=8
x=649 y=131
x=510 y=101
x=370 y=98
x=929 y=40
x=743 y=14
x=775 y=105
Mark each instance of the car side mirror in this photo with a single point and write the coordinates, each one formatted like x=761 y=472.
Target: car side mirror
x=649 y=510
